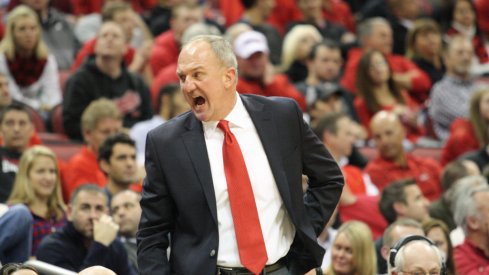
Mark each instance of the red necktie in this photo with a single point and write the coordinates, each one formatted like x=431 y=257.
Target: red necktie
x=251 y=246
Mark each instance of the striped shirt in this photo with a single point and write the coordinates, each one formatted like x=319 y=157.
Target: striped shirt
x=449 y=100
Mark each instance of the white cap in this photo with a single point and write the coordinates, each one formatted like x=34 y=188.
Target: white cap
x=250 y=42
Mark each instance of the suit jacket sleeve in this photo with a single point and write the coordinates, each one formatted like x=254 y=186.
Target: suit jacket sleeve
x=157 y=217
x=325 y=180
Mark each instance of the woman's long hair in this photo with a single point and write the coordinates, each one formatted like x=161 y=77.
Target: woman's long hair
x=23 y=191
x=364 y=256
x=480 y=124
x=8 y=46
x=366 y=86
x=434 y=223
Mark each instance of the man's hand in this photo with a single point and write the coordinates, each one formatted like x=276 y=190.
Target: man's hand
x=105 y=230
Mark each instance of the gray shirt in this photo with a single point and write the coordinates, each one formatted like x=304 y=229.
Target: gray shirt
x=449 y=100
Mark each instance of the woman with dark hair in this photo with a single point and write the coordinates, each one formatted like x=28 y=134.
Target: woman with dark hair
x=377 y=91
x=437 y=231
x=18 y=269
x=425 y=48
x=463 y=22
x=469 y=134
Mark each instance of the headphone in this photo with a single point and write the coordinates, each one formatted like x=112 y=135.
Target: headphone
x=402 y=242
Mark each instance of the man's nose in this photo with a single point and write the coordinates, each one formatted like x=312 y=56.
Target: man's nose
x=187 y=85
x=16 y=126
x=94 y=214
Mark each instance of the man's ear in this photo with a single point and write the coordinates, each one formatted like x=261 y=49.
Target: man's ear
x=473 y=223
x=385 y=251
x=230 y=77
x=69 y=212
x=104 y=166
x=326 y=137
x=400 y=208
x=86 y=135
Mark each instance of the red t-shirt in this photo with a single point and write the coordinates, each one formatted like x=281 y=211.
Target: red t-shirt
x=420 y=82
x=95 y=6
x=166 y=76
x=283 y=13
x=280 y=86
x=482 y=9
x=470 y=260
x=164 y=52
x=426 y=171
x=354 y=179
x=462 y=139
x=365 y=209
x=339 y=12
x=82 y=168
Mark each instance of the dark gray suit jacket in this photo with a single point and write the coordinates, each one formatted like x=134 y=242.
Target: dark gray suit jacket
x=178 y=198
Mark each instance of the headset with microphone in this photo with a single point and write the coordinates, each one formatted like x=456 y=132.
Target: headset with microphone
x=402 y=242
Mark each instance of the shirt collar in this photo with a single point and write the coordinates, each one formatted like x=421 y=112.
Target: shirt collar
x=408 y=24
x=235 y=117
x=127 y=240
x=458 y=80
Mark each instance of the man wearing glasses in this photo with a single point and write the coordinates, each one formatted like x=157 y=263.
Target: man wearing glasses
x=416 y=255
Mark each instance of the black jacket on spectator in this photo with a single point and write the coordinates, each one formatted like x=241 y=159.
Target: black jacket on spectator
x=8 y=169
x=65 y=248
x=128 y=91
x=434 y=73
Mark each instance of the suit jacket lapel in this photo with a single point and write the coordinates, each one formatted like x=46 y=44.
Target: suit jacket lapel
x=197 y=151
x=266 y=128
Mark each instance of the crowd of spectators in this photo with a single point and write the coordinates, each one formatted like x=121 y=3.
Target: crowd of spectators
x=389 y=75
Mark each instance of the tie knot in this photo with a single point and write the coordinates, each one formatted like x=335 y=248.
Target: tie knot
x=224 y=126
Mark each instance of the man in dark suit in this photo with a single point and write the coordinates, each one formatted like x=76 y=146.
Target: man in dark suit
x=188 y=192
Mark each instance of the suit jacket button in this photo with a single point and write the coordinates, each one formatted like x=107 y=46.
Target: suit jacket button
x=213 y=253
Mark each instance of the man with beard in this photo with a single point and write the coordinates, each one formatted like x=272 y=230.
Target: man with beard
x=89 y=238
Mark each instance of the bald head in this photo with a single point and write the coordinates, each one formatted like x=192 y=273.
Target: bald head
x=97 y=270
x=385 y=119
x=388 y=133
x=418 y=256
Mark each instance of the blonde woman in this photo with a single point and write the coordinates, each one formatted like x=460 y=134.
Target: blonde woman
x=33 y=73
x=297 y=45
x=353 y=251
x=38 y=186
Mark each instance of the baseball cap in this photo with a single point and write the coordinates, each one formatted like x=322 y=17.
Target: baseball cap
x=250 y=42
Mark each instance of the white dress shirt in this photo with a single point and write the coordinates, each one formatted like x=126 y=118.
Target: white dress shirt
x=278 y=230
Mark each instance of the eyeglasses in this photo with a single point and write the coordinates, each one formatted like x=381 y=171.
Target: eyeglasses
x=436 y=272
